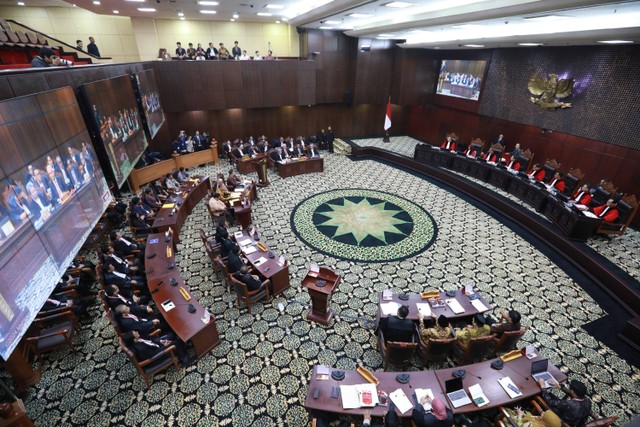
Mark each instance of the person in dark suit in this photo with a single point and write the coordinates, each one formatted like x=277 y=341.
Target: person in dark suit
x=312 y=151
x=124 y=246
x=252 y=281
x=276 y=155
x=298 y=151
x=398 y=327
x=17 y=211
x=142 y=213
x=146 y=348
x=120 y=265
x=330 y=138
x=237 y=151
x=234 y=259
x=124 y=282
x=181 y=53
x=322 y=140
x=92 y=47
x=227 y=147
x=500 y=140
x=130 y=322
x=115 y=297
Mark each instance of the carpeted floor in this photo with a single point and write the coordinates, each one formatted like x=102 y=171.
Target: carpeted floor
x=258 y=374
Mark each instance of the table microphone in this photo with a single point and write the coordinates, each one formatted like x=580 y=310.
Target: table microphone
x=157 y=287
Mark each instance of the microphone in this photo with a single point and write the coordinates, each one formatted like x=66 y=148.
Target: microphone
x=157 y=287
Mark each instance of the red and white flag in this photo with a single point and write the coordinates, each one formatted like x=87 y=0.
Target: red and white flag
x=387 y=118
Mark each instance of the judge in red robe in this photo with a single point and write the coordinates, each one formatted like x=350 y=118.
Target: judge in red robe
x=537 y=172
x=448 y=144
x=582 y=196
x=608 y=211
x=557 y=182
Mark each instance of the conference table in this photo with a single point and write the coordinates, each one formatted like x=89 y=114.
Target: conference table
x=177 y=207
x=518 y=370
x=575 y=224
x=263 y=260
x=411 y=301
x=187 y=318
x=299 y=166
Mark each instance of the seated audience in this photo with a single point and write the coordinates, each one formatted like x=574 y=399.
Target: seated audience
x=170 y=183
x=235 y=260
x=221 y=232
x=478 y=328
x=124 y=246
x=232 y=180
x=439 y=416
x=441 y=329
x=312 y=151
x=398 y=327
x=58 y=301
x=509 y=321
x=150 y=200
x=130 y=322
x=124 y=282
x=147 y=348
x=140 y=214
x=252 y=281
x=121 y=265
x=527 y=419
x=608 y=211
x=115 y=297
x=574 y=411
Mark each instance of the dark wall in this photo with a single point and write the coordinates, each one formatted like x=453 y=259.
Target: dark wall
x=605 y=96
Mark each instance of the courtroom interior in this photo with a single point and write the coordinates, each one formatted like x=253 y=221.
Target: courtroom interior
x=297 y=214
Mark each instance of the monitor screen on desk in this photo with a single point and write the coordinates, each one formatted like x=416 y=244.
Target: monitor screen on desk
x=53 y=194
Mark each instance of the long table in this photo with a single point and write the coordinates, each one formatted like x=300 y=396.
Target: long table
x=166 y=284
x=413 y=299
x=299 y=167
x=574 y=224
x=519 y=370
x=141 y=176
x=189 y=196
x=271 y=269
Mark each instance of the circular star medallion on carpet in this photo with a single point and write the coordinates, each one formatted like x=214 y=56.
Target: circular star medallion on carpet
x=363 y=225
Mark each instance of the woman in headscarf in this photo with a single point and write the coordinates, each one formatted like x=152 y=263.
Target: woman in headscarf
x=439 y=416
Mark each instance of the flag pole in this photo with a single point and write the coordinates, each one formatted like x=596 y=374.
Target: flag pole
x=387 y=122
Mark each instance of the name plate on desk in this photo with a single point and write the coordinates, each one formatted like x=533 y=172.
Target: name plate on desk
x=168 y=305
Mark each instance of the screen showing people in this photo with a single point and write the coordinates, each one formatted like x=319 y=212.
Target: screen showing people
x=114 y=109
x=150 y=101
x=461 y=79
x=53 y=193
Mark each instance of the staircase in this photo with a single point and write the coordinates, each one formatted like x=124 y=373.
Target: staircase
x=341 y=148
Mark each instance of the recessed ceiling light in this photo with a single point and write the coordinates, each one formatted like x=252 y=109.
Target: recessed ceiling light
x=232 y=20
x=180 y=14
x=275 y=6
x=146 y=9
x=182 y=18
x=474 y=45
x=544 y=18
x=360 y=15
x=264 y=14
x=96 y=2
x=277 y=22
x=385 y=35
x=325 y=28
x=208 y=3
x=236 y=16
x=399 y=4
x=116 y=12
x=615 y=41
x=284 y=19
x=208 y=12
x=21 y=3
x=332 y=22
x=530 y=44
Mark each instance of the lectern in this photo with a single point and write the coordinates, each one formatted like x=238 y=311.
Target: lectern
x=261 y=168
x=321 y=285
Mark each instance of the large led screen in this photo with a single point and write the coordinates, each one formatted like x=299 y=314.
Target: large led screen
x=53 y=193
x=115 y=112
x=461 y=79
x=150 y=101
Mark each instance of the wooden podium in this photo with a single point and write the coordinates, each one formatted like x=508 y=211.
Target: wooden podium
x=320 y=295
x=261 y=168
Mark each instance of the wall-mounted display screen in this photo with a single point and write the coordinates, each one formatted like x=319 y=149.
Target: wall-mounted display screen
x=150 y=101
x=53 y=193
x=115 y=112
x=460 y=78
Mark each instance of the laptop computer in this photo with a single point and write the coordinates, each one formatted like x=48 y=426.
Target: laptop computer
x=455 y=392
x=539 y=370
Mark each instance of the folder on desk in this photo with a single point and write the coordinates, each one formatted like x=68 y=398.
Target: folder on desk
x=168 y=206
x=424 y=309
x=248 y=250
x=454 y=305
x=478 y=396
x=401 y=401
x=421 y=393
x=238 y=235
x=244 y=242
x=478 y=305
x=389 y=308
x=358 y=396
x=259 y=261
x=508 y=386
x=589 y=214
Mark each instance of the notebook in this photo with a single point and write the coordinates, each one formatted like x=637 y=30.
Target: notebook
x=456 y=393
x=539 y=371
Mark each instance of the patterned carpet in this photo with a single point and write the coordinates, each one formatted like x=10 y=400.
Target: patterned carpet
x=258 y=375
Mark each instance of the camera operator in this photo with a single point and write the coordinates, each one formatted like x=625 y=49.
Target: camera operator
x=47 y=58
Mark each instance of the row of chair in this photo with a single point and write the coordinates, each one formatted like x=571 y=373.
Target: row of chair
x=439 y=350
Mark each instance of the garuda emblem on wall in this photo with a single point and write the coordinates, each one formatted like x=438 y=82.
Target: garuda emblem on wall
x=547 y=91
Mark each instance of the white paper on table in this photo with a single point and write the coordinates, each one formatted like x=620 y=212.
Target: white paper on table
x=477 y=395
x=581 y=206
x=589 y=214
x=424 y=308
x=314 y=268
x=454 y=305
x=259 y=261
x=248 y=250
x=281 y=261
x=422 y=392
x=505 y=382
x=351 y=395
x=401 y=401
x=478 y=305
x=244 y=242
x=237 y=235
x=168 y=305
x=389 y=308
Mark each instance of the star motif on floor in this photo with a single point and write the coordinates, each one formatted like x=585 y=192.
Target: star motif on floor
x=363 y=219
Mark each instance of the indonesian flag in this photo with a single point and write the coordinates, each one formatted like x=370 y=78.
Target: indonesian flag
x=387 y=118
